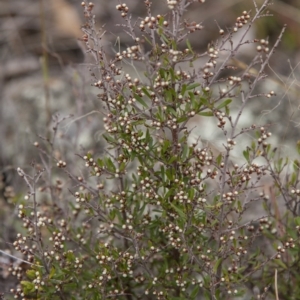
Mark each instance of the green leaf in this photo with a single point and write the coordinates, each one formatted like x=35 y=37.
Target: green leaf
x=31 y=274
x=191 y=193
x=170 y=95
x=189 y=46
x=162 y=172
x=183 y=89
x=227 y=111
x=281 y=263
x=204 y=101
x=110 y=166
x=109 y=139
x=182 y=119
x=140 y=100
x=171 y=110
x=298 y=146
x=195 y=292
x=225 y=103
x=52 y=272
x=172 y=159
x=297 y=221
x=296 y=165
x=146 y=92
x=179 y=211
x=219 y=159
x=28 y=287
x=185 y=152
x=192 y=86
x=293 y=178
x=206 y=114
x=170 y=174
x=217 y=264
x=246 y=155
x=172 y=74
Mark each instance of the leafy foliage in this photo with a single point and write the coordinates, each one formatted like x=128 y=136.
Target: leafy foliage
x=159 y=216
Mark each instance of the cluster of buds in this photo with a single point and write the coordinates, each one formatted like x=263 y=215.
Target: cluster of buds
x=213 y=55
x=173 y=232
x=108 y=124
x=245 y=174
x=183 y=74
x=172 y=3
x=131 y=83
x=220 y=117
x=193 y=26
x=89 y=7
x=59 y=239
x=297 y=192
x=175 y=54
x=172 y=123
x=182 y=197
x=241 y=21
x=263 y=46
x=80 y=198
x=255 y=168
x=263 y=136
x=61 y=164
x=151 y=22
x=230 y=144
x=159 y=83
x=270 y=94
x=203 y=156
x=212 y=173
x=234 y=80
x=230 y=196
x=89 y=161
x=123 y=8
x=207 y=73
x=131 y=52
x=115 y=70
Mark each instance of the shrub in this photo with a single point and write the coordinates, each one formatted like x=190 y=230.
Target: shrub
x=161 y=214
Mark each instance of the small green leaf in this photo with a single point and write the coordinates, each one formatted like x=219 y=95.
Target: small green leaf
x=206 y=114
x=246 y=155
x=110 y=166
x=182 y=119
x=146 y=92
x=225 y=103
x=281 y=263
x=227 y=111
x=298 y=146
x=185 y=152
x=297 y=221
x=179 y=211
x=191 y=193
x=189 y=46
x=204 y=101
x=140 y=100
x=219 y=159
x=195 y=292
x=31 y=274
x=28 y=287
x=109 y=139
x=183 y=89
x=296 y=165
x=52 y=273
x=217 y=264
x=192 y=86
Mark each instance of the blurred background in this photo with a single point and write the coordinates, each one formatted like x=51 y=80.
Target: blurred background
x=44 y=78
